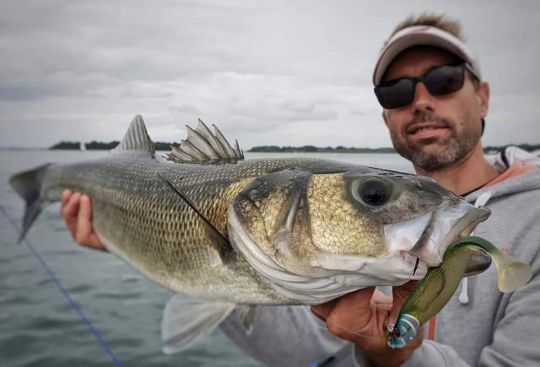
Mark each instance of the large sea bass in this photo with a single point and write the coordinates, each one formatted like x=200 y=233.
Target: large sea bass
x=207 y=223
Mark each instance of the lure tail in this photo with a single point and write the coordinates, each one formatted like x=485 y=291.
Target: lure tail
x=513 y=274
x=28 y=186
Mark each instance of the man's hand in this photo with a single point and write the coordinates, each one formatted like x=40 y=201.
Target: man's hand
x=362 y=317
x=77 y=212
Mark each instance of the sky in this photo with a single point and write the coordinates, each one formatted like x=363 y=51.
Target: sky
x=265 y=72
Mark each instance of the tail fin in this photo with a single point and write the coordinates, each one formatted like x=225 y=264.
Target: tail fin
x=28 y=186
x=513 y=274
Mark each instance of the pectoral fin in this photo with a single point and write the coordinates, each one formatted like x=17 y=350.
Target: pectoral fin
x=247 y=315
x=187 y=320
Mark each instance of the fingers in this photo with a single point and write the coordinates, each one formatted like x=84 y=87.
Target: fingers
x=66 y=194
x=70 y=210
x=85 y=230
x=360 y=299
x=84 y=219
x=352 y=316
x=379 y=298
x=417 y=341
x=400 y=295
x=323 y=310
x=77 y=212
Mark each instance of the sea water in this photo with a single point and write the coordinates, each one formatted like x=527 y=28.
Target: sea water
x=120 y=310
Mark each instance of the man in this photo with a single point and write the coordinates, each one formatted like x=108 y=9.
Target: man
x=434 y=104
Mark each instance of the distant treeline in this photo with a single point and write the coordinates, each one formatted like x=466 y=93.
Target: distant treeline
x=314 y=149
x=96 y=145
x=527 y=147
x=99 y=145
x=342 y=149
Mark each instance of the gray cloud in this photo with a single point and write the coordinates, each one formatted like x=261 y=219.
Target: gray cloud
x=266 y=72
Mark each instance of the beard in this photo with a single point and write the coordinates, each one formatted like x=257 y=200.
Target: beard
x=438 y=153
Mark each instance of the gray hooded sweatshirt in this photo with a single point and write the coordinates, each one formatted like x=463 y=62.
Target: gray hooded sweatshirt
x=478 y=327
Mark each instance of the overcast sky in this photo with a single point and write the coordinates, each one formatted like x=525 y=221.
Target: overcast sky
x=265 y=72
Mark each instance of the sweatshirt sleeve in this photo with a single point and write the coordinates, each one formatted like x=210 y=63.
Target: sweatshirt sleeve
x=427 y=355
x=435 y=354
x=285 y=336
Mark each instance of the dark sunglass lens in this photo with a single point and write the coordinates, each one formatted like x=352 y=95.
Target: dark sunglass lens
x=444 y=80
x=395 y=95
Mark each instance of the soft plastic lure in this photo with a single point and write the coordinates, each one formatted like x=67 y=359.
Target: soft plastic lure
x=440 y=283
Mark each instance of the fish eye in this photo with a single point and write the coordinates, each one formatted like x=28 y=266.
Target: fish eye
x=374 y=192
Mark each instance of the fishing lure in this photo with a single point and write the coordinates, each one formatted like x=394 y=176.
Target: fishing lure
x=440 y=283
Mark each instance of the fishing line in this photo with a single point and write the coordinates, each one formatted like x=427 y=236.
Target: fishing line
x=65 y=293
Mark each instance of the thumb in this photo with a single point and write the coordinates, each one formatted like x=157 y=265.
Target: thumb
x=400 y=295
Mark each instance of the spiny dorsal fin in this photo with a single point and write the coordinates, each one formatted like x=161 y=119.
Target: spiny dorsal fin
x=203 y=146
x=136 y=137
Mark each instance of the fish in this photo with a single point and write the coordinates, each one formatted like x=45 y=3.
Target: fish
x=227 y=231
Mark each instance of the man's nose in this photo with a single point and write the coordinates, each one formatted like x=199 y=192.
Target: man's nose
x=423 y=100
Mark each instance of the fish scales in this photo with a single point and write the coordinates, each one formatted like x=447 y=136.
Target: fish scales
x=140 y=219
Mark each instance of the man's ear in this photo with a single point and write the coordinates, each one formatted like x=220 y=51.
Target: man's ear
x=482 y=93
x=383 y=114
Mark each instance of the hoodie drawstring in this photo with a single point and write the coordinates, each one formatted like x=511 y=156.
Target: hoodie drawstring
x=464 y=293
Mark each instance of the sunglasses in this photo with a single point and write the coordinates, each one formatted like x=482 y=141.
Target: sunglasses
x=439 y=81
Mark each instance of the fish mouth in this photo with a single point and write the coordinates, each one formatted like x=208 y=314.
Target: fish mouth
x=445 y=228
x=435 y=231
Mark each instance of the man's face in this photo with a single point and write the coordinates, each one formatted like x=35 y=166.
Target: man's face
x=435 y=132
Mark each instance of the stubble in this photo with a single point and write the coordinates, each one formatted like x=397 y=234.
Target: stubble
x=437 y=154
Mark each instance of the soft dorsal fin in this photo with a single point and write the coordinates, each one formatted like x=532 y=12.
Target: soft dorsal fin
x=136 y=137
x=203 y=146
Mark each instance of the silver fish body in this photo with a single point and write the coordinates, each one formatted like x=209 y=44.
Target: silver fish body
x=266 y=231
